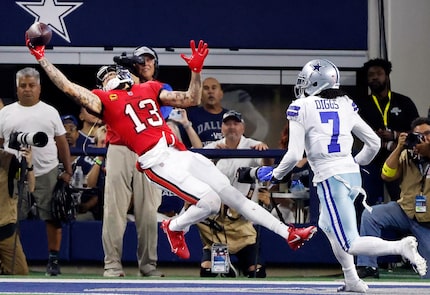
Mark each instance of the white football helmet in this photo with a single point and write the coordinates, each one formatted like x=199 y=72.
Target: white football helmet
x=316 y=76
x=123 y=76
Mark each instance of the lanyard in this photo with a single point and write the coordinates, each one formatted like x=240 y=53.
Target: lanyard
x=385 y=113
x=424 y=175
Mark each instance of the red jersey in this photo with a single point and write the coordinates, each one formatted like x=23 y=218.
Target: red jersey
x=135 y=116
x=112 y=137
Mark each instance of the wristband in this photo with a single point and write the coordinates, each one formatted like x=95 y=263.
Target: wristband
x=30 y=168
x=387 y=171
x=98 y=161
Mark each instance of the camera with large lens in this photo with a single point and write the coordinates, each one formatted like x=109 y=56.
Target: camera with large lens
x=126 y=61
x=413 y=139
x=19 y=139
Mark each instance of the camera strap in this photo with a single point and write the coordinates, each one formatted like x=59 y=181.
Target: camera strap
x=424 y=172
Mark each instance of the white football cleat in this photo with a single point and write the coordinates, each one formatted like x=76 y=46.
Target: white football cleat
x=410 y=252
x=357 y=286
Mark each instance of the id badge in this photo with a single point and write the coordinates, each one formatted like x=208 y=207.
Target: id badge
x=220 y=258
x=420 y=204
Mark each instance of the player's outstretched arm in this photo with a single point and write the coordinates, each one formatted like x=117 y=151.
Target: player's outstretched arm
x=193 y=95
x=78 y=93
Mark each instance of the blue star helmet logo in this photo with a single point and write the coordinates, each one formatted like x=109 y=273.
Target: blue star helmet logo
x=317 y=67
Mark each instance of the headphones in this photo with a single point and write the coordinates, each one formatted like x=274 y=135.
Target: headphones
x=138 y=57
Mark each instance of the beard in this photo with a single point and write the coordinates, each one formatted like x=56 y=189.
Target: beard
x=377 y=87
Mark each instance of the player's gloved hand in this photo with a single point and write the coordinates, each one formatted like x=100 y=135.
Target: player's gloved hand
x=195 y=61
x=265 y=173
x=37 y=51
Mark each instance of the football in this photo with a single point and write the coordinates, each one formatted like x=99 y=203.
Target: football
x=39 y=34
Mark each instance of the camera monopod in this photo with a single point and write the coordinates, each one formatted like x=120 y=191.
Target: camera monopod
x=21 y=190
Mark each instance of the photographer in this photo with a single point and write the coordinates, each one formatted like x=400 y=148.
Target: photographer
x=409 y=162
x=12 y=257
x=31 y=115
x=234 y=232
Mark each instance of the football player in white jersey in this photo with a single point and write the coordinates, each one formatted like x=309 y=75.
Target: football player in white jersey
x=322 y=121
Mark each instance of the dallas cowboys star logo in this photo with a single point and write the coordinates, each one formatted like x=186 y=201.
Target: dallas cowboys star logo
x=317 y=67
x=52 y=13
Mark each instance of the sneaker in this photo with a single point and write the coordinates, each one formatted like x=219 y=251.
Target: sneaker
x=176 y=240
x=259 y=273
x=357 y=286
x=367 y=271
x=153 y=273
x=298 y=236
x=207 y=273
x=53 y=268
x=409 y=251
x=113 y=273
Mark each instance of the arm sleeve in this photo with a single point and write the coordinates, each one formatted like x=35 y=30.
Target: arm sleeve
x=372 y=142
x=295 y=150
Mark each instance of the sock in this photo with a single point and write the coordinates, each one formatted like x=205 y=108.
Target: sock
x=253 y=212
x=374 y=246
x=207 y=205
x=350 y=274
x=53 y=255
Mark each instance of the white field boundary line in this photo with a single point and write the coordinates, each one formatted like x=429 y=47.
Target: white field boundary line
x=199 y=282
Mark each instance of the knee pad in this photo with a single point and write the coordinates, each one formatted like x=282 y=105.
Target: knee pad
x=230 y=196
x=210 y=202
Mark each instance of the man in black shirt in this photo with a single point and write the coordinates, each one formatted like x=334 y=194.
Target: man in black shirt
x=388 y=113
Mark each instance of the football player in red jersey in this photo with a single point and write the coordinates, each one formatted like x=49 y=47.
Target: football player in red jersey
x=125 y=184
x=133 y=111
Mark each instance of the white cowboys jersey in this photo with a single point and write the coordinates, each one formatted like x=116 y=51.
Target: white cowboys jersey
x=326 y=127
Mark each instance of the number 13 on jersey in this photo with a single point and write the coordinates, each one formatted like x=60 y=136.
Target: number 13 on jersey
x=154 y=119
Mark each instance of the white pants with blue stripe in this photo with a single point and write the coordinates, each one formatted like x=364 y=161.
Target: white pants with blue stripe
x=337 y=216
x=338 y=221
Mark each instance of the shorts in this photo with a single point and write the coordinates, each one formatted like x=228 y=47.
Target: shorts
x=43 y=193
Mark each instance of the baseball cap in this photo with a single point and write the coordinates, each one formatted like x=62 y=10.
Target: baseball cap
x=232 y=115
x=142 y=50
x=69 y=119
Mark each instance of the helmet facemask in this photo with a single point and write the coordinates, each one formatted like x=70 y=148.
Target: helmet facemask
x=122 y=78
x=301 y=84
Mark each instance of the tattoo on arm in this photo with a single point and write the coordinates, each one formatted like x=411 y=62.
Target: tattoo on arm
x=78 y=93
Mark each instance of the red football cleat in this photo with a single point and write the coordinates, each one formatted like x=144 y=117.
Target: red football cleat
x=298 y=236
x=176 y=240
